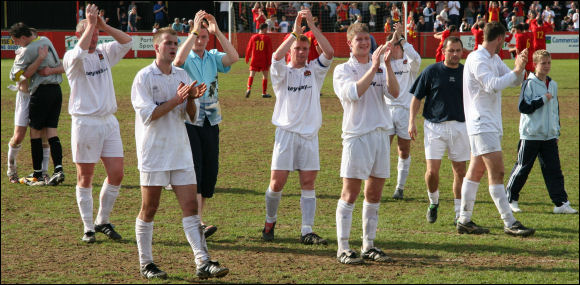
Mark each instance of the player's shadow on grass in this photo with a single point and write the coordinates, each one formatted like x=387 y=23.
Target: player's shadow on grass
x=472 y=248
x=289 y=193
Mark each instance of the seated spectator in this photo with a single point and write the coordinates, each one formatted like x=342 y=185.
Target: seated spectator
x=177 y=26
x=439 y=24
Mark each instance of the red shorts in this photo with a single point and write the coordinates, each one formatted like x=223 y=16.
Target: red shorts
x=259 y=68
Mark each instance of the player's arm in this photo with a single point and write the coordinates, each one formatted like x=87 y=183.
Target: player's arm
x=323 y=43
x=527 y=105
x=231 y=53
x=363 y=84
x=249 y=48
x=51 y=70
x=185 y=48
x=192 y=105
x=414 y=110
x=392 y=82
x=182 y=94
x=32 y=68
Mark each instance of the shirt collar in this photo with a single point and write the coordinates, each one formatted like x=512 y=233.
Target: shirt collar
x=195 y=56
x=484 y=51
x=158 y=71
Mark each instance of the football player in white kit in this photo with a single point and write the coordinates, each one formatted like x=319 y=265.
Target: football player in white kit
x=163 y=97
x=297 y=117
x=361 y=84
x=95 y=130
x=406 y=63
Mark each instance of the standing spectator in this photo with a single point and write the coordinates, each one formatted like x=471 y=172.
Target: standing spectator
x=421 y=25
x=284 y=25
x=224 y=11
x=342 y=12
x=519 y=8
x=159 y=11
x=156 y=27
x=539 y=133
x=575 y=18
x=454 y=9
x=353 y=12
x=445 y=14
x=512 y=23
x=203 y=66
x=272 y=24
x=258 y=15
x=493 y=12
x=339 y=26
x=95 y=133
x=373 y=13
x=124 y=24
x=477 y=31
x=388 y=25
x=120 y=8
x=429 y=16
x=102 y=15
x=325 y=19
x=468 y=13
x=547 y=13
x=259 y=54
x=186 y=25
x=81 y=14
x=439 y=6
x=439 y=24
x=270 y=9
x=177 y=26
x=395 y=14
x=132 y=20
x=464 y=26
x=558 y=9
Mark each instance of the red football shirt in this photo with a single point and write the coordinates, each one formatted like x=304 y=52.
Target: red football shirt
x=540 y=34
x=439 y=56
x=493 y=14
x=519 y=9
x=478 y=34
x=257 y=18
x=259 y=49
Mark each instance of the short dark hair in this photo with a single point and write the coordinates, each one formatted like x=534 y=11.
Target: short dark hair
x=452 y=39
x=492 y=31
x=263 y=26
x=452 y=28
x=20 y=29
x=520 y=27
x=481 y=25
x=526 y=26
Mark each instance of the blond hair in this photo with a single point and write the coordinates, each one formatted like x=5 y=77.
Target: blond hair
x=81 y=26
x=167 y=30
x=539 y=54
x=355 y=29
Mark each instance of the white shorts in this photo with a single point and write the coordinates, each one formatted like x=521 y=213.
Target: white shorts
x=295 y=152
x=21 y=117
x=485 y=143
x=173 y=177
x=367 y=155
x=95 y=137
x=400 y=117
x=451 y=136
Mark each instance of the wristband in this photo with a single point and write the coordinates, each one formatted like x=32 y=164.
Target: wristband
x=294 y=34
x=195 y=33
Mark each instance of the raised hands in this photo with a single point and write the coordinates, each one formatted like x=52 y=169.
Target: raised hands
x=376 y=57
x=521 y=61
x=198 y=20
x=298 y=29
x=92 y=12
x=212 y=27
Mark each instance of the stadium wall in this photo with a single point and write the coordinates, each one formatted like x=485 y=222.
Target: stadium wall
x=562 y=45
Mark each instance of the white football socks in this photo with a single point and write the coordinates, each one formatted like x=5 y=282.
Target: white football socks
x=433 y=197
x=107 y=200
x=195 y=237
x=308 y=206
x=85 y=203
x=500 y=199
x=45 y=159
x=403 y=171
x=370 y=220
x=144 y=236
x=468 y=194
x=12 y=153
x=272 y=202
x=457 y=204
x=343 y=224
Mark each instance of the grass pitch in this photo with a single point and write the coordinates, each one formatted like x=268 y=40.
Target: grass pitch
x=41 y=227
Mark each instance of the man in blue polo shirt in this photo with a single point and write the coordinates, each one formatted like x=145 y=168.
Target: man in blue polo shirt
x=441 y=84
x=203 y=66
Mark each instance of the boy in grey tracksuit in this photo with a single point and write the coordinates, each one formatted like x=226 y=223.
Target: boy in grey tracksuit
x=539 y=132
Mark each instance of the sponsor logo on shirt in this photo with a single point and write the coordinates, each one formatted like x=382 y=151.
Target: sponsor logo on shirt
x=299 y=88
x=307 y=73
x=376 y=84
x=401 y=72
x=380 y=70
x=95 y=73
x=159 y=103
x=405 y=61
x=451 y=79
x=101 y=57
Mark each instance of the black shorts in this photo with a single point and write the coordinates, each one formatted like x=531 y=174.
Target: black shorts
x=204 y=143
x=45 y=104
